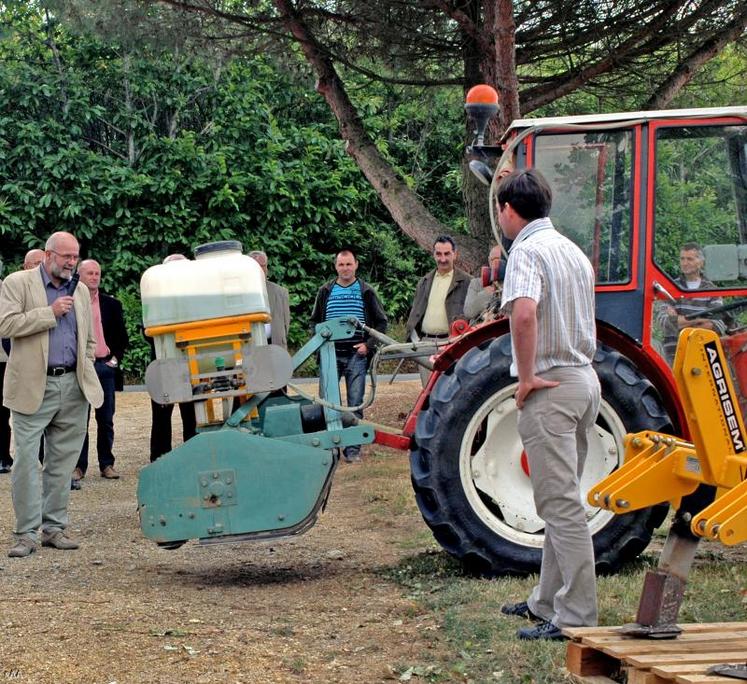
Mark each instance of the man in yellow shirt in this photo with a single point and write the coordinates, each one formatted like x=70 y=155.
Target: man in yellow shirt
x=439 y=297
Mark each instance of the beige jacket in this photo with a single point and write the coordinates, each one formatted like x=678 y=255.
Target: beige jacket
x=26 y=318
x=3 y=355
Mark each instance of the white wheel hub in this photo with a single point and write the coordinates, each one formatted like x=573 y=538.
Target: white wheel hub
x=495 y=476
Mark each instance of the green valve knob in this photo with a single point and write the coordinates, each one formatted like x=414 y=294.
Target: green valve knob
x=220 y=363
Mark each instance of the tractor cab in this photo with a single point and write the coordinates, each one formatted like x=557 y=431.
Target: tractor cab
x=658 y=202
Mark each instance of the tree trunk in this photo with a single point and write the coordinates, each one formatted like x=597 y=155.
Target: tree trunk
x=403 y=205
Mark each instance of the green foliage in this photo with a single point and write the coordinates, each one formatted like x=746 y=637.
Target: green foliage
x=144 y=154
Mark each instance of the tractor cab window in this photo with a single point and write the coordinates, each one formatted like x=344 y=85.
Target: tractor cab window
x=701 y=201
x=590 y=176
x=700 y=232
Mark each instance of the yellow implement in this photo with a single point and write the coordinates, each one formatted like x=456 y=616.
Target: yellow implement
x=660 y=468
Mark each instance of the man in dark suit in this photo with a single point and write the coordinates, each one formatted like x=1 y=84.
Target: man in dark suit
x=111 y=344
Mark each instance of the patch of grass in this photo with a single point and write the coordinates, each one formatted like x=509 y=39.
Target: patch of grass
x=296 y=665
x=483 y=642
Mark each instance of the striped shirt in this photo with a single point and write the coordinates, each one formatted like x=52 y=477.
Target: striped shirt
x=346 y=301
x=547 y=267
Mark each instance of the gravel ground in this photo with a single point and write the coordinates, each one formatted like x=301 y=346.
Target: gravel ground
x=314 y=608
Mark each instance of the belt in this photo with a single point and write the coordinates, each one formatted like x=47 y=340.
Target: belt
x=59 y=370
x=103 y=359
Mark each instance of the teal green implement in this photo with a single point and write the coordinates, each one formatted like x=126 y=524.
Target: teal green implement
x=262 y=478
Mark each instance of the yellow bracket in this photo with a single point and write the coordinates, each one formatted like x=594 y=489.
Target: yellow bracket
x=661 y=468
x=657 y=468
x=726 y=518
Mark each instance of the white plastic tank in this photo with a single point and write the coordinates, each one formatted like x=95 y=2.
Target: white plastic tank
x=220 y=282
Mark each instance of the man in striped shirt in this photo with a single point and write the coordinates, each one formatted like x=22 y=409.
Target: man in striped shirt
x=548 y=293
x=348 y=295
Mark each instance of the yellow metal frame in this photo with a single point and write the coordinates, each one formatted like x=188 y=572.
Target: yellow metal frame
x=661 y=468
x=195 y=337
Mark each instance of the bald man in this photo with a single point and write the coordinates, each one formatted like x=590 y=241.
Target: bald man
x=32 y=259
x=111 y=344
x=49 y=382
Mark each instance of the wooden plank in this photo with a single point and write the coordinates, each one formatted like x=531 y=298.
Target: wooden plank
x=645 y=661
x=685 y=643
x=686 y=627
x=685 y=636
x=644 y=677
x=704 y=679
x=585 y=661
x=637 y=648
x=687 y=668
x=592 y=679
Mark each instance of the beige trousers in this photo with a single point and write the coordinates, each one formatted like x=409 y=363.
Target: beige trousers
x=553 y=426
x=63 y=421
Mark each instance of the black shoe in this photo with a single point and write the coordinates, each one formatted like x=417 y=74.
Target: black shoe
x=542 y=630
x=520 y=610
x=75 y=485
x=4 y=468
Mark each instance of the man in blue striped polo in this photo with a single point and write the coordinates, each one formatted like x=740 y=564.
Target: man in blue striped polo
x=348 y=295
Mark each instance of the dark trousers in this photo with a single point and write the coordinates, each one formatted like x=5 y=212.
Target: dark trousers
x=104 y=421
x=5 y=459
x=160 y=430
x=352 y=367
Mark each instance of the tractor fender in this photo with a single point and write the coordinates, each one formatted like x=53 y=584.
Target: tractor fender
x=650 y=364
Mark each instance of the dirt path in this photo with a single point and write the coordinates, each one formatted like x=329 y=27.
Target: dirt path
x=316 y=608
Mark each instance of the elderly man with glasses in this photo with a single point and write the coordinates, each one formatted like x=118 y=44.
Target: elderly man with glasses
x=50 y=381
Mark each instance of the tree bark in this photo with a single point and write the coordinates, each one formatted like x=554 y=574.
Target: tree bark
x=685 y=71
x=403 y=205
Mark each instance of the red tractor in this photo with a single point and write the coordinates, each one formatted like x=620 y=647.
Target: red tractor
x=631 y=190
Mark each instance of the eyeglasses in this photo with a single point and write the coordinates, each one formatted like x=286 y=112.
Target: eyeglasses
x=66 y=257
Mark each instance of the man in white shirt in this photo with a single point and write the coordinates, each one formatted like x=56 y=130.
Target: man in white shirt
x=548 y=293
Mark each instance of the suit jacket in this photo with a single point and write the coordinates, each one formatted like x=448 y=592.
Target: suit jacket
x=454 y=299
x=26 y=318
x=3 y=354
x=280 y=312
x=115 y=333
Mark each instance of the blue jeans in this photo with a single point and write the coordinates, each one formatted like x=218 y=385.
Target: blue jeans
x=104 y=421
x=353 y=369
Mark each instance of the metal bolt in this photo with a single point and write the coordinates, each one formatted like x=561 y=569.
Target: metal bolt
x=206 y=497
x=607 y=501
x=687 y=517
x=281 y=516
x=203 y=482
x=210 y=530
x=696 y=371
x=635 y=442
x=325 y=462
x=316 y=441
x=215 y=476
x=612 y=451
x=622 y=503
x=162 y=520
x=229 y=480
x=715 y=529
x=336 y=439
x=596 y=496
x=702 y=526
x=229 y=495
x=191 y=516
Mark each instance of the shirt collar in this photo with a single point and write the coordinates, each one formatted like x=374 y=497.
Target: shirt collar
x=531 y=228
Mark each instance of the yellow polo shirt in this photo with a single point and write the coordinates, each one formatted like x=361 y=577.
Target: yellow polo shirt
x=435 y=321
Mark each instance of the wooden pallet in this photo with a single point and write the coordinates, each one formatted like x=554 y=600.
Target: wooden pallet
x=601 y=655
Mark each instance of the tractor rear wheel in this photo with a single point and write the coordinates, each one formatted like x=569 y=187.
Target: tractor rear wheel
x=470 y=476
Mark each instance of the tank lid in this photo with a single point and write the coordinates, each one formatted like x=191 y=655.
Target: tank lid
x=221 y=246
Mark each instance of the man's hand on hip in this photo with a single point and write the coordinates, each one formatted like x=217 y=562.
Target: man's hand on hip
x=526 y=387
x=361 y=349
